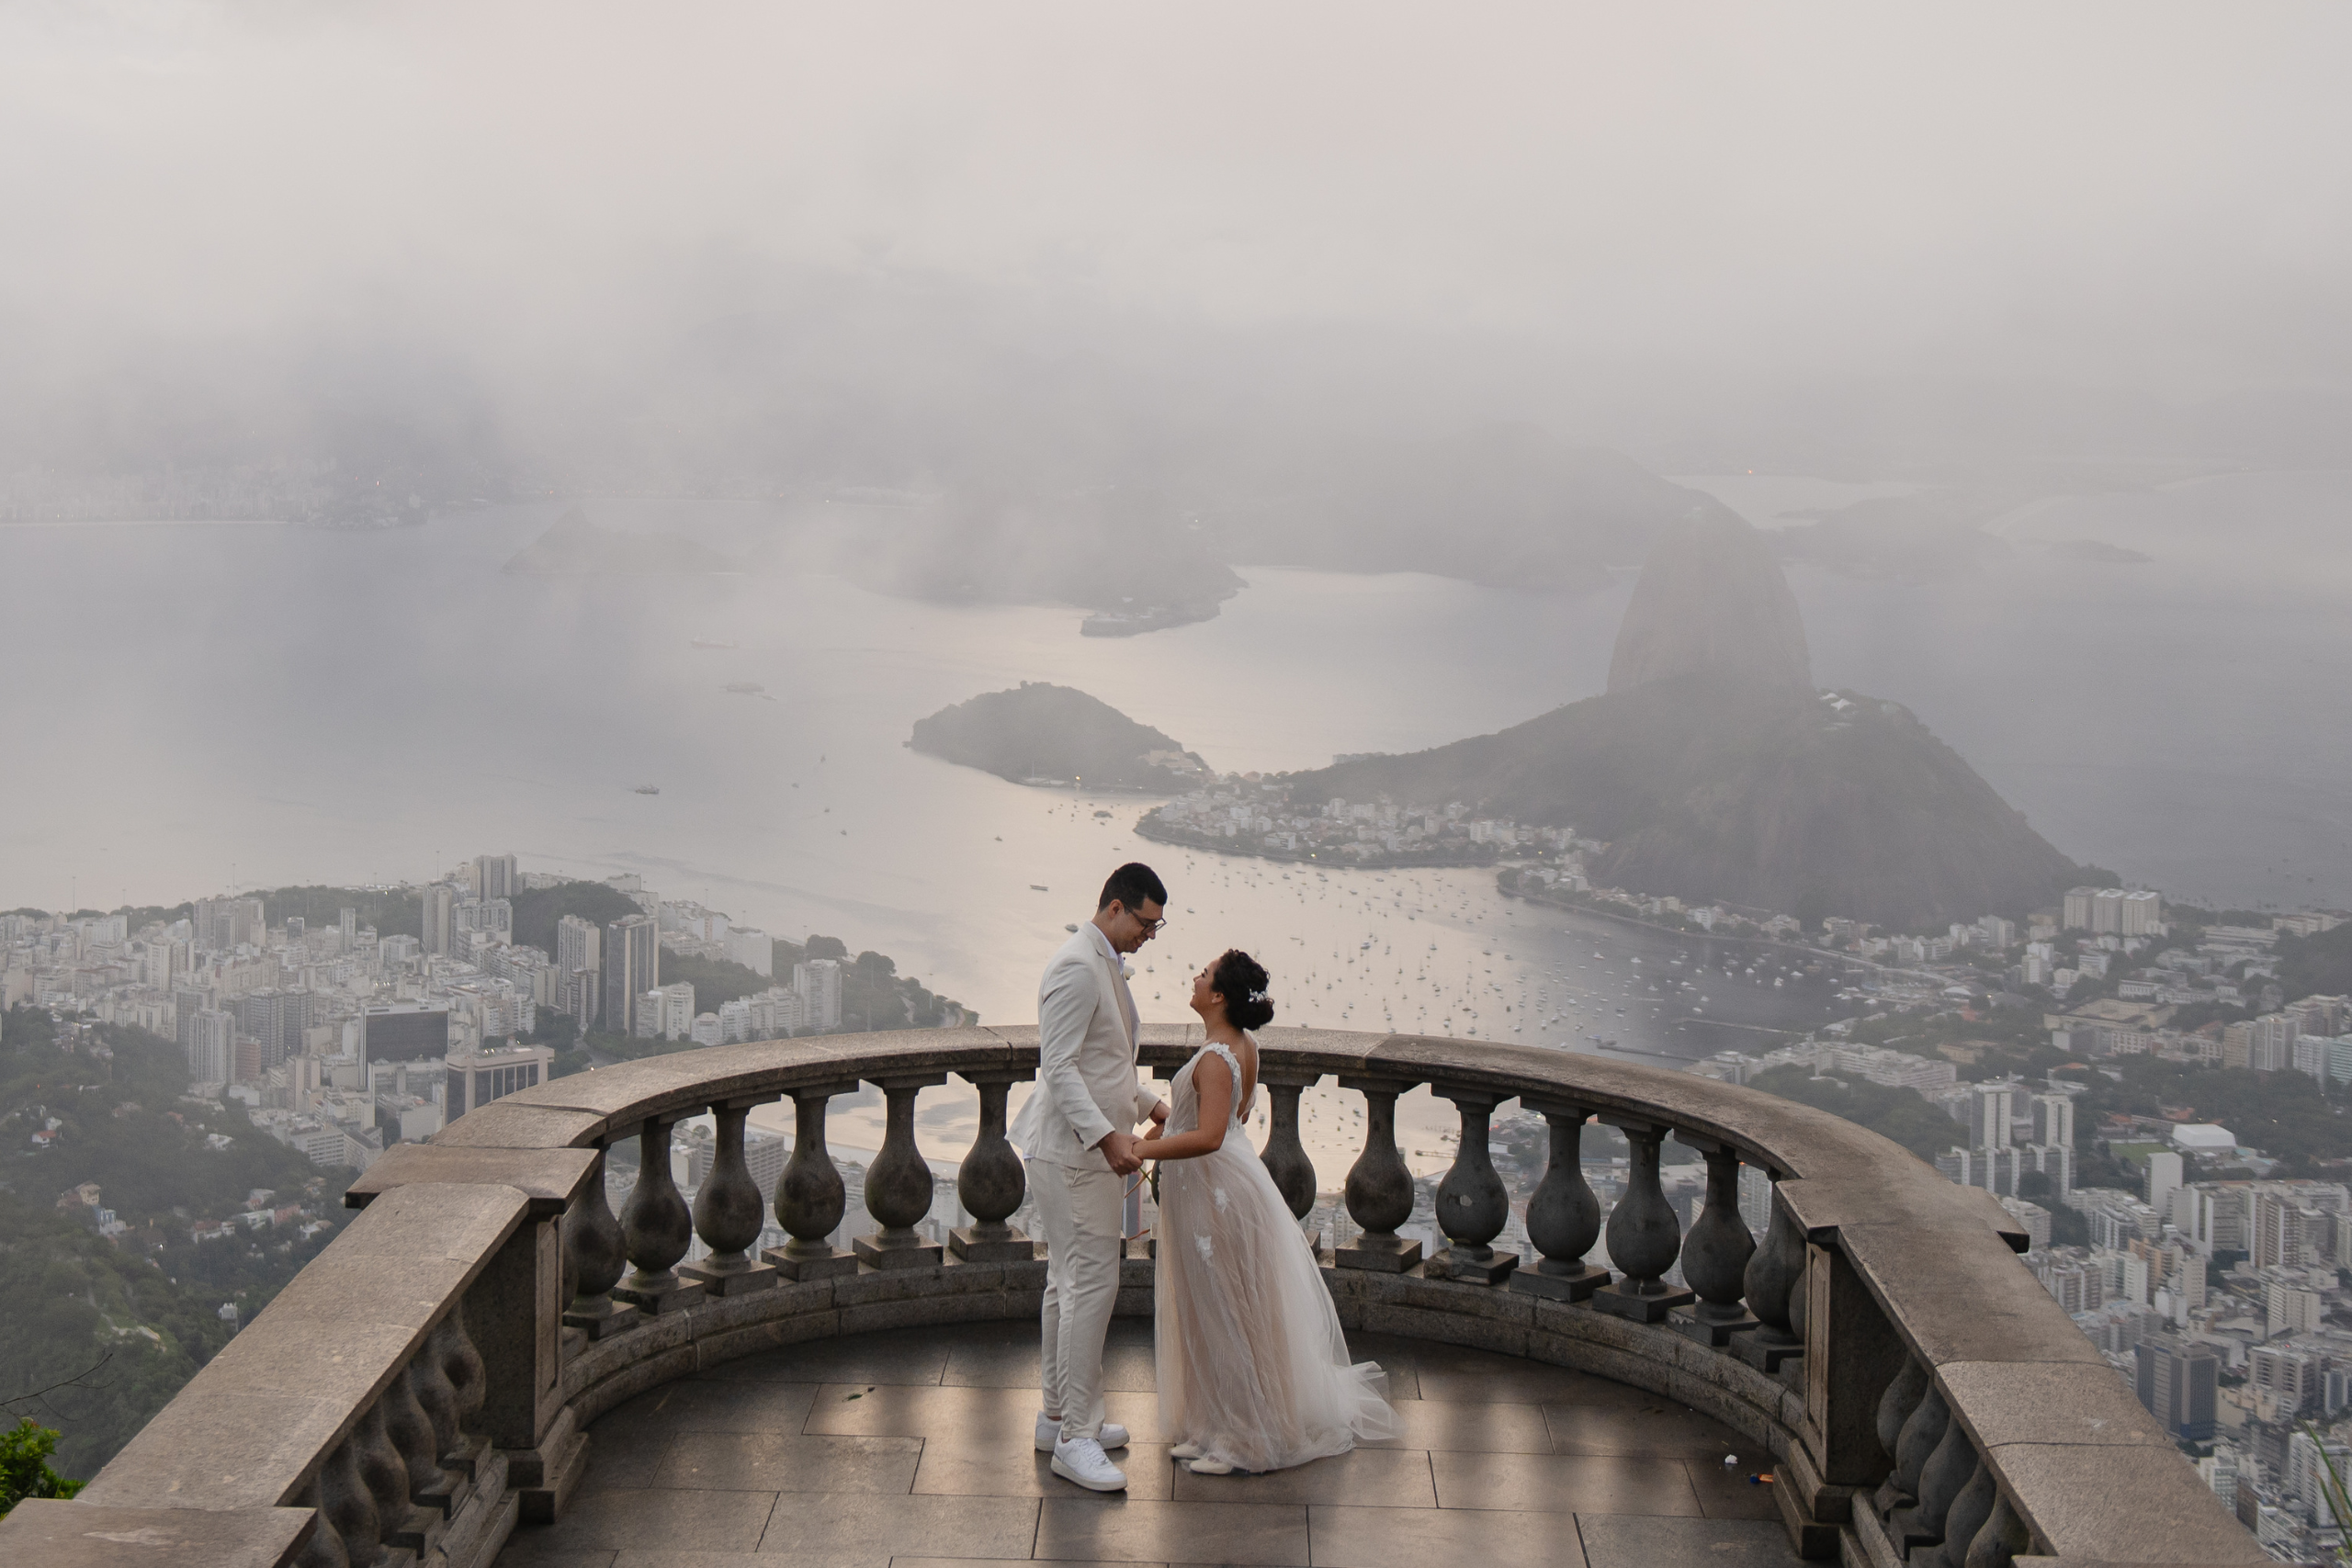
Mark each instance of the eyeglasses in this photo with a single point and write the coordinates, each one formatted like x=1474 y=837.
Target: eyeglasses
x=1150 y=928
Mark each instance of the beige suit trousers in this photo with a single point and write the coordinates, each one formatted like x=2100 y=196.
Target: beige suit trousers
x=1079 y=1210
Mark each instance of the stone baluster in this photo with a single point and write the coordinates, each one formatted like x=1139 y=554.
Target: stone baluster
x=1563 y=1213
x=411 y=1431
x=1968 y=1513
x=729 y=1209
x=899 y=1185
x=990 y=1182
x=324 y=1548
x=1643 y=1235
x=1380 y=1188
x=809 y=1196
x=383 y=1473
x=1922 y=1433
x=2003 y=1540
x=1716 y=1253
x=594 y=1258
x=1284 y=1156
x=437 y=1398
x=347 y=1510
x=1948 y=1468
x=656 y=1229
x=1904 y=1394
x=1471 y=1203
x=1773 y=1279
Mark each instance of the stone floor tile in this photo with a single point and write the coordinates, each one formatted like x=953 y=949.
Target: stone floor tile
x=1658 y=1427
x=1728 y=1493
x=1344 y=1536
x=623 y=1454
x=838 y=1531
x=1620 y=1540
x=1523 y=1382
x=1469 y=1428
x=1561 y=1483
x=899 y=1356
x=959 y=1561
x=1375 y=1478
x=662 y=1518
x=1103 y=1529
x=888 y=1410
x=787 y=1461
x=524 y=1556
x=694 y=1406
x=1127 y=1365
x=991 y=1467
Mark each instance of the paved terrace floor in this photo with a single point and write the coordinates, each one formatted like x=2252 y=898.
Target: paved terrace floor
x=913 y=1449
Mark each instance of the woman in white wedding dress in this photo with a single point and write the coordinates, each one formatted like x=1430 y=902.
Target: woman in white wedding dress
x=1254 y=1373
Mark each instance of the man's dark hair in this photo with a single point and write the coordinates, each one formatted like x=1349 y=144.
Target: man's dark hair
x=1133 y=886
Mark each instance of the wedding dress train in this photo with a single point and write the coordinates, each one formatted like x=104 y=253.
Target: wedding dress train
x=1253 y=1368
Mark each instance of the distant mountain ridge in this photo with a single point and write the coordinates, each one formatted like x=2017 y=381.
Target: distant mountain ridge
x=1715 y=773
x=1038 y=731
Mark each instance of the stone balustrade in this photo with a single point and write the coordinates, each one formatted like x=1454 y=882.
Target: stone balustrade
x=419 y=1391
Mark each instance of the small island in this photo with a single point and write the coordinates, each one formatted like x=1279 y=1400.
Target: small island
x=573 y=547
x=1042 y=734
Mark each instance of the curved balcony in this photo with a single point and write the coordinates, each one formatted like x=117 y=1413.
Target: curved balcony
x=424 y=1391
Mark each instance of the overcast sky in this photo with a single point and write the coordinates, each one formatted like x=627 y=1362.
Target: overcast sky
x=2145 y=197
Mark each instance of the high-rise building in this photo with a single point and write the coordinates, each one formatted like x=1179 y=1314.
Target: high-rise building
x=2271 y=1042
x=2177 y=1383
x=632 y=958
x=1997 y=933
x=350 y=923
x=211 y=1039
x=754 y=950
x=405 y=1032
x=578 y=946
x=2163 y=1179
x=440 y=919
x=1988 y=1115
x=2076 y=913
x=2053 y=1118
x=223 y=924
x=493 y=876
x=819 y=981
x=677 y=1010
x=2141 y=913
x=477 y=1077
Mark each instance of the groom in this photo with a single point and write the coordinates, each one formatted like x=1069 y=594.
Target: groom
x=1075 y=1131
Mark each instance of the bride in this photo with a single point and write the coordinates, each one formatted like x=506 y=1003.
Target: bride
x=1254 y=1373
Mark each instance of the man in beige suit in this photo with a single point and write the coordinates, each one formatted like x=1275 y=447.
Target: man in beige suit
x=1077 y=1133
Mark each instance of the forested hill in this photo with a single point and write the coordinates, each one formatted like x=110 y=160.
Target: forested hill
x=113 y=1329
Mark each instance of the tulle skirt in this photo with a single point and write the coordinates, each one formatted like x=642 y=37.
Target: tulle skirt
x=1252 y=1365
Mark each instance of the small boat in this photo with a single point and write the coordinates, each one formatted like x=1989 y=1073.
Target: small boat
x=648 y=789
x=1071 y=927
x=1035 y=886
x=705 y=642
x=745 y=688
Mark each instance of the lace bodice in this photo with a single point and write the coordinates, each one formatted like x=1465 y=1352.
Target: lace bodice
x=1184 y=1099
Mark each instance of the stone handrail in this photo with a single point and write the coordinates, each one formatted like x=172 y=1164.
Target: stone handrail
x=420 y=1388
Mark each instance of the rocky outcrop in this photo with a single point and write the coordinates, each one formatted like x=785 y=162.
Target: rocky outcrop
x=1711 y=603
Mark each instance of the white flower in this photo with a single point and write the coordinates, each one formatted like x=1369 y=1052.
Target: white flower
x=1203 y=1242
x=1223 y=1199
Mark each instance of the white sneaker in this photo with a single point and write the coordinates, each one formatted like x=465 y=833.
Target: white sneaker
x=1049 y=1432
x=1186 y=1451
x=1081 y=1460
x=1206 y=1466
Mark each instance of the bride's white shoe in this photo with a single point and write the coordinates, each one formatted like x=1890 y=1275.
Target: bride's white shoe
x=1206 y=1466
x=1186 y=1451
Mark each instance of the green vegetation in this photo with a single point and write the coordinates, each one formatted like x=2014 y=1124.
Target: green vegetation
x=2318 y=964
x=538 y=911
x=392 y=912
x=1038 y=731
x=24 y=1466
x=105 y=1331
x=1896 y=1113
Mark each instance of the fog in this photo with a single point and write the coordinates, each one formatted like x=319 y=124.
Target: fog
x=1393 y=323
x=747 y=247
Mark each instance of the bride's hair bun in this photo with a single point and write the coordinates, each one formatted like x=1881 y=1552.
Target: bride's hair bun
x=1242 y=981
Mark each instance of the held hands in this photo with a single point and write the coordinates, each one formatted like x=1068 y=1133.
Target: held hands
x=1124 y=1151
